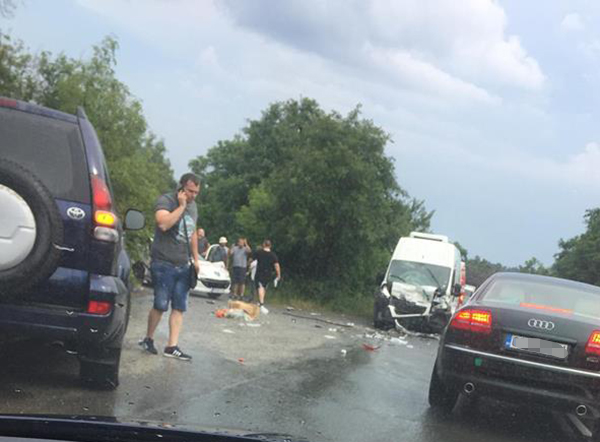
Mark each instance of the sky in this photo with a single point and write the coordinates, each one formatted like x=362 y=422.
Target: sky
x=491 y=105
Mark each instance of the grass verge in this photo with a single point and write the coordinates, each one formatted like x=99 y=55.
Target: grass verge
x=347 y=303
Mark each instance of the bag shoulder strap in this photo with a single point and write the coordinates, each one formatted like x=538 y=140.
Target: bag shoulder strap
x=187 y=238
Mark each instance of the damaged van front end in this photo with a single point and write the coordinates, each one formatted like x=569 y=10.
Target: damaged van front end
x=422 y=308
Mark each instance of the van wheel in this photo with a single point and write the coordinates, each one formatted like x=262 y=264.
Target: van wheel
x=441 y=397
x=381 y=316
x=99 y=368
x=31 y=226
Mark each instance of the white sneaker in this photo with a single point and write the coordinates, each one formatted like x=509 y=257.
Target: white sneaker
x=264 y=310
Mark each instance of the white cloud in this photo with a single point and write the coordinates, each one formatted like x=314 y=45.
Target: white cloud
x=467 y=40
x=572 y=22
x=419 y=75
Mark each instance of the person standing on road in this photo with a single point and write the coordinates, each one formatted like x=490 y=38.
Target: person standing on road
x=266 y=263
x=239 y=257
x=203 y=243
x=221 y=252
x=176 y=215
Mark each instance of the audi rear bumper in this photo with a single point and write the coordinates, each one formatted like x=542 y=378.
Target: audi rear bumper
x=516 y=380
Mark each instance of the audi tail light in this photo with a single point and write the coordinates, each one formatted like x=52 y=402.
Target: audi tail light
x=593 y=343
x=7 y=102
x=473 y=320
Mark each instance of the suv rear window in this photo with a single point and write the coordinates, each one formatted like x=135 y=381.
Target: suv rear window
x=51 y=149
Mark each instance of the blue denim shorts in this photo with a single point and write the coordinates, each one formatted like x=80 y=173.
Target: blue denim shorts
x=171 y=284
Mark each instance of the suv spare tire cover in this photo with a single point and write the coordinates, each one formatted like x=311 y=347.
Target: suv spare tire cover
x=30 y=227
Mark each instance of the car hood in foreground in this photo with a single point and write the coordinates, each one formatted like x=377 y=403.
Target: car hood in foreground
x=100 y=429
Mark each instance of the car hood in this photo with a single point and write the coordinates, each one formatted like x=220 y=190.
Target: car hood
x=416 y=294
x=213 y=270
x=100 y=428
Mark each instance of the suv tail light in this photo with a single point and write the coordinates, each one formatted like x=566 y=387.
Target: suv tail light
x=593 y=343
x=473 y=320
x=105 y=219
x=99 y=307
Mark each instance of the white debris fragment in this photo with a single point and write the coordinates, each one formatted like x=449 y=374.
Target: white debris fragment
x=252 y=324
x=398 y=341
x=226 y=330
x=409 y=346
x=350 y=324
x=343 y=351
x=329 y=337
x=333 y=330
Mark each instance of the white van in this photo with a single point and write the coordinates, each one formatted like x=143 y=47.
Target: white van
x=421 y=285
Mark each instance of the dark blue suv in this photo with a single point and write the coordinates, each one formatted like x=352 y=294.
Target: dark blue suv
x=64 y=271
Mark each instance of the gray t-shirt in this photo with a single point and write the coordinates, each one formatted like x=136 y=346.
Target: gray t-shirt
x=171 y=246
x=239 y=256
x=219 y=254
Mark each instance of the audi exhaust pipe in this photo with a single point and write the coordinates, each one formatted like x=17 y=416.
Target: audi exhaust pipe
x=470 y=388
x=581 y=410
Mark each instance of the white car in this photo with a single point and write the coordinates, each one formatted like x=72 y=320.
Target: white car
x=213 y=279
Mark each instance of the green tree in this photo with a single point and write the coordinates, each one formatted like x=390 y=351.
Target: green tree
x=480 y=269
x=318 y=184
x=464 y=253
x=579 y=257
x=137 y=161
x=534 y=266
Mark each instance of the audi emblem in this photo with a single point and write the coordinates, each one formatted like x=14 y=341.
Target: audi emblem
x=75 y=213
x=541 y=324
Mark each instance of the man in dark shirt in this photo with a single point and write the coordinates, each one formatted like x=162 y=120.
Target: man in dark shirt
x=266 y=263
x=176 y=215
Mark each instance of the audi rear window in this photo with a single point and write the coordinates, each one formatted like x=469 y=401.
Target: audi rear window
x=49 y=148
x=545 y=297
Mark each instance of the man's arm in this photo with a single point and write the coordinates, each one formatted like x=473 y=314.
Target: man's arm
x=278 y=270
x=165 y=219
x=194 y=245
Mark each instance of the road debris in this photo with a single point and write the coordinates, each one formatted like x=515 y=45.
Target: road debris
x=315 y=318
x=369 y=347
x=226 y=330
x=398 y=341
x=329 y=337
x=343 y=351
x=241 y=360
x=333 y=330
x=253 y=324
x=239 y=310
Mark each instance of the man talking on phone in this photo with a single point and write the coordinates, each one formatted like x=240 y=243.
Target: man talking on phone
x=176 y=215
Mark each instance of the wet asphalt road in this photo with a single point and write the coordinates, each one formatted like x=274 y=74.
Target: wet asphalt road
x=293 y=378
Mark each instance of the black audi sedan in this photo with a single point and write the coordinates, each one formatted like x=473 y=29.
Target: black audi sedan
x=524 y=339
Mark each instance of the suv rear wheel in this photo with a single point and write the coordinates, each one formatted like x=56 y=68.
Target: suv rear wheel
x=31 y=228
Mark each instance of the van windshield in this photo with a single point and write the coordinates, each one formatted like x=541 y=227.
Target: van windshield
x=418 y=273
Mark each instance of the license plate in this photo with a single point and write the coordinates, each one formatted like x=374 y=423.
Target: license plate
x=536 y=345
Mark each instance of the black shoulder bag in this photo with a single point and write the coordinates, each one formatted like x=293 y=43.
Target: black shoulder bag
x=193 y=277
